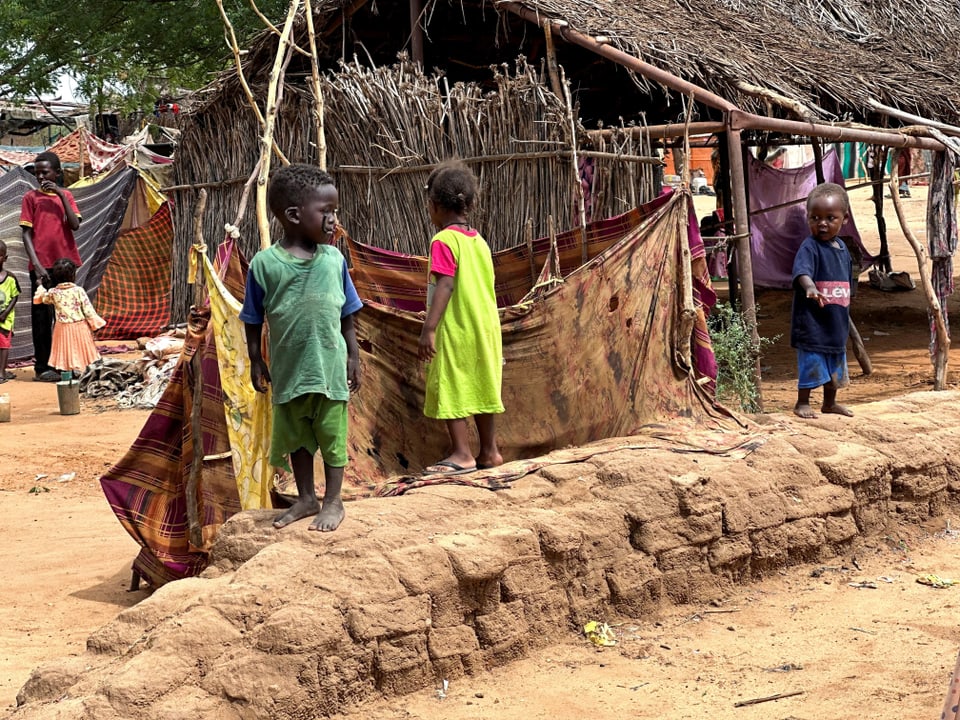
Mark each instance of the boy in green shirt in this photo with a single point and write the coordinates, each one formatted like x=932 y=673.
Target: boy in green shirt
x=301 y=287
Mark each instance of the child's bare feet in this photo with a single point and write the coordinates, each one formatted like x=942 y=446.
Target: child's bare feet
x=803 y=410
x=299 y=510
x=329 y=517
x=836 y=409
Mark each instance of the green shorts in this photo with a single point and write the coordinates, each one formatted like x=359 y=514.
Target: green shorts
x=311 y=421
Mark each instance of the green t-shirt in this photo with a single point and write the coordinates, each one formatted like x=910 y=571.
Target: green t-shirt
x=303 y=301
x=9 y=292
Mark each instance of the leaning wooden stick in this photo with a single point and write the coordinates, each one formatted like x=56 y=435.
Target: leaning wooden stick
x=263 y=220
x=859 y=351
x=317 y=89
x=942 y=350
x=757 y=701
x=235 y=47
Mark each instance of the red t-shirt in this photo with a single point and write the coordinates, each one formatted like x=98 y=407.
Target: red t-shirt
x=52 y=237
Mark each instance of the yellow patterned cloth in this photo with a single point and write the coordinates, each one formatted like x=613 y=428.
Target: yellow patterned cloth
x=248 y=412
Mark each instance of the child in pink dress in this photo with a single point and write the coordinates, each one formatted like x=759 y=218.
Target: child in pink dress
x=76 y=320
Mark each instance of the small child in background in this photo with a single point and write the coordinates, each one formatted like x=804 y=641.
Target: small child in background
x=820 y=318
x=461 y=337
x=72 y=348
x=301 y=287
x=9 y=292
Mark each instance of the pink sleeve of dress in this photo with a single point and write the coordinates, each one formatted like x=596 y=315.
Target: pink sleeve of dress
x=442 y=261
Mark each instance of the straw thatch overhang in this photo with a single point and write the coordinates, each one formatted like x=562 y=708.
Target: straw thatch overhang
x=835 y=58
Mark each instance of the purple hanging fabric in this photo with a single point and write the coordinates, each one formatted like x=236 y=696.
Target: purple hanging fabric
x=776 y=236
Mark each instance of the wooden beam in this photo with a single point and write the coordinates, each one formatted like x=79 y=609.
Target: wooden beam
x=740 y=120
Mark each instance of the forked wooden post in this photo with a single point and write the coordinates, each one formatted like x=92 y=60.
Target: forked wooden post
x=941 y=357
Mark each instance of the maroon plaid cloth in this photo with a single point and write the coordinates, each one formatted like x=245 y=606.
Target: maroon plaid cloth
x=134 y=296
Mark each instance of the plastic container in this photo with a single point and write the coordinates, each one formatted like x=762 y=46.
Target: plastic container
x=68 y=395
x=5 y=407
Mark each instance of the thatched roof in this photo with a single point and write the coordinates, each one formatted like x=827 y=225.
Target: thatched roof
x=833 y=56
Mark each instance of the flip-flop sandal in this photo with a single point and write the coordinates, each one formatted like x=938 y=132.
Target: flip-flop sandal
x=454 y=469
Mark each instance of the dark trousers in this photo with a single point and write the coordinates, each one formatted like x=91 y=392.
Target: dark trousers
x=41 y=327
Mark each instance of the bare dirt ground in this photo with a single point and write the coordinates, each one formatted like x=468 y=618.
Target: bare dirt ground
x=852 y=651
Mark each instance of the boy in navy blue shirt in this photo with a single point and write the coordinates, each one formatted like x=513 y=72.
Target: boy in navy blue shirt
x=820 y=320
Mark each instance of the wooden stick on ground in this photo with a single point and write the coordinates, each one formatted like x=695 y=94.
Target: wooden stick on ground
x=778 y=696
x=942 y=351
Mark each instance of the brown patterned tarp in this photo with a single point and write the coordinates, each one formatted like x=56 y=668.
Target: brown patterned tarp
x=596 y=353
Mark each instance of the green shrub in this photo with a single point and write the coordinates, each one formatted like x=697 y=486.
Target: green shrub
x=736 y=357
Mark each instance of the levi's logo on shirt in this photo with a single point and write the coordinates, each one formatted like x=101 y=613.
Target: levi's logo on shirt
x=837 y=293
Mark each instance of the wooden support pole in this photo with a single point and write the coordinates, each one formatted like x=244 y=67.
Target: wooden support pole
x=733 y=276
x=194 y=526
x=941 y=356
x=741 y=219
x=552 y=69
x=528 y=239
x=416 y=32
x=876 y=174
x=818 y=160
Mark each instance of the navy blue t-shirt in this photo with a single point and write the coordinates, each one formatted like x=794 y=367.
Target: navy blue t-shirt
x=814 y=328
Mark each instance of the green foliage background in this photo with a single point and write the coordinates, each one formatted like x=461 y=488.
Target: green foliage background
x=123 y=53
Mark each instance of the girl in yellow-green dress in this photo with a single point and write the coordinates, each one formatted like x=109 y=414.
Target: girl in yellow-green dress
x=461 y=333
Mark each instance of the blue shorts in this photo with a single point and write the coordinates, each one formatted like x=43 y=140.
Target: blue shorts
x=815 y=369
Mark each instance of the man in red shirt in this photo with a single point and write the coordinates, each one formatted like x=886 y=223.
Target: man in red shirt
x=48 y=217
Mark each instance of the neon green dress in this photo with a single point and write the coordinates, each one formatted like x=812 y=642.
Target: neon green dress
x=465 y=375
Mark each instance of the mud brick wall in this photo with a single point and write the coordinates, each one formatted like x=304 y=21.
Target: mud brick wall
x=450 y=580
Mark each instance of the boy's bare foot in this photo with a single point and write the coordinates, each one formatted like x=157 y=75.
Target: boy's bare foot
x=836 y=409
x=329 y=517
x=804 y=411
x=299 y=510
x=485 y=462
